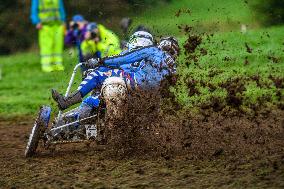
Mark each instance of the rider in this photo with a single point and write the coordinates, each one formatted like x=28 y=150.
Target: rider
x=137 y=40
x=144 y=67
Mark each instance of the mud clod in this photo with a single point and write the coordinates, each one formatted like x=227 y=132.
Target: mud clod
x=191 y=44
x=249 y=49
x=182 y=11
x=218 y=152
x=192 y=86
x=246 y=62
x=278 y=81
x=227 y=58
x=235 y=88
x=273 y=59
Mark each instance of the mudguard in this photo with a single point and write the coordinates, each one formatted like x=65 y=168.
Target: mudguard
x=114 y=93
x=38 y=130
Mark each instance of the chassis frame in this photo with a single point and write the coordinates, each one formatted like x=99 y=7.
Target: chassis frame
x=88 y=129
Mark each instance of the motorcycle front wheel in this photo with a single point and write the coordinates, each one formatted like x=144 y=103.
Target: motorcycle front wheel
x=38 y=130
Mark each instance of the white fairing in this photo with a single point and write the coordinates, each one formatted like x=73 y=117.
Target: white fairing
x=114 y=87
x=114 y=92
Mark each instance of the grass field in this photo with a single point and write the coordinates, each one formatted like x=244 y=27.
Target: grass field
x=248 y=66
x=23 y=87
x=205 y=15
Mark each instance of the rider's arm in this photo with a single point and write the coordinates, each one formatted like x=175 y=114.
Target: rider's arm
x=131 y=57
x=34 y=12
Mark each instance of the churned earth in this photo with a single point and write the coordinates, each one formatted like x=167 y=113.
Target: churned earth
x=220 y=150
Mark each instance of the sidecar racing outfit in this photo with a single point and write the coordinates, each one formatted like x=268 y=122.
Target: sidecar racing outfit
x=143 y=68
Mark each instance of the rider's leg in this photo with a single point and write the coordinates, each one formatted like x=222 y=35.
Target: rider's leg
x=88 y=105
x=84 y=110
x=93 y=80
x=66 y=102
x=96 y=78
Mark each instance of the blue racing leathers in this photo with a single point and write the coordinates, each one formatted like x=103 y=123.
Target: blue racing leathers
x=150 y=65
x=145 y=67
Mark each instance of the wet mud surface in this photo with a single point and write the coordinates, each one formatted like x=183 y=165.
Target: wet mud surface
x=218 y=150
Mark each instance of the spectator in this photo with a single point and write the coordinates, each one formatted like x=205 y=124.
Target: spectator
x=49 y=18
x=76 y=33
x=77 y=30
x=99 y=42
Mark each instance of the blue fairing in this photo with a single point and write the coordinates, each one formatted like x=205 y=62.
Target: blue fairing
x=45 y=114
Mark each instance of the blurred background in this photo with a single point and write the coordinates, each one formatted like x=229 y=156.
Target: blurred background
x=17 y=32
x=16 y=26
x=242 y=44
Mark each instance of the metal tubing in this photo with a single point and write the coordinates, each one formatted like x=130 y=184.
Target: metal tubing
x=72 y=79
x=69 y=85
x=68 y=142
x=68 y=124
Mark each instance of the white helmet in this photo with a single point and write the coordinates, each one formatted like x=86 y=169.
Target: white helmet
x=140 y=39
x=170 y=45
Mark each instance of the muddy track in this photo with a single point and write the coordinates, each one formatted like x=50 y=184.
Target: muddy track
x=219 y=151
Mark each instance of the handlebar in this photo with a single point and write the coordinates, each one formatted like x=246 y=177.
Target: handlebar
x=92 y=63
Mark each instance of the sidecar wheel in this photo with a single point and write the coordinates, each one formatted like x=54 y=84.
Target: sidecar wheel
x=38 y=130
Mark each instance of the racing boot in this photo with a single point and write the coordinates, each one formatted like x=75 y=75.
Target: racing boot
x=66 y=102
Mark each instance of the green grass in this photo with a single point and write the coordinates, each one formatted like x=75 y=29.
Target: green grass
x=225 y=62
x=206 y=15
x=23 y=87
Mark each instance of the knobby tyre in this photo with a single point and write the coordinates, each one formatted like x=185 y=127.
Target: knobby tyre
x=38 y=130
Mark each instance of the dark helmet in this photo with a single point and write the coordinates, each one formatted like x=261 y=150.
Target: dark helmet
x=170 y=45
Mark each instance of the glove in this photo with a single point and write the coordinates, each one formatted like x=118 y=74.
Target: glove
x=86 y=73
x=92 y=63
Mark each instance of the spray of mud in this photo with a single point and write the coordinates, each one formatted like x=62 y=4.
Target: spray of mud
x=145 y=130
x=154 y=128
x=157 y=126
